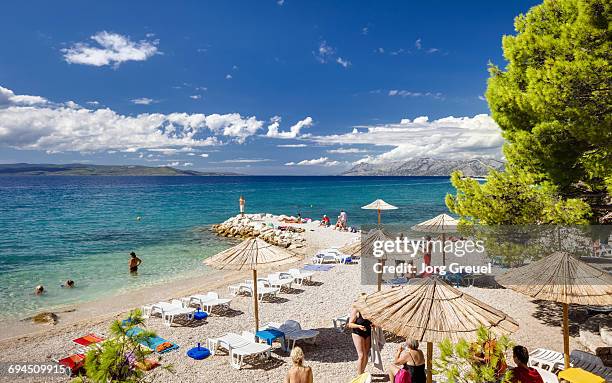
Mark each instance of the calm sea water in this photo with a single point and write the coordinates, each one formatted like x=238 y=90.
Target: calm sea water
x=83 y=228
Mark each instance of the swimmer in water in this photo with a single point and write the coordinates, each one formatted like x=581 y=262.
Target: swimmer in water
x=39 y=290
x=68 y=284
x=134 y=262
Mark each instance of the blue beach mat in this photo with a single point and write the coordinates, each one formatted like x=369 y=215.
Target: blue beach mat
x=318 y=267
x=152 y=342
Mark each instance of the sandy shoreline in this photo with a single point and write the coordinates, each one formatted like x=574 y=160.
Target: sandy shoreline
x=332 y=358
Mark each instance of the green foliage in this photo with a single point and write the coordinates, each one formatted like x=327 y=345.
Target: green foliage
x=114 y=361
x=481 y=361
x=513 y=198
x=553 y=102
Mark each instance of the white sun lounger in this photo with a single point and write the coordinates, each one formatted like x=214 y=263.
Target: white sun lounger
x=293 y=332
x=169 y=311
x=299 y=276
x=331 y=255
x=340 y=323
x=547 y=376
x=239 y=347
x=275 y=280
x=247 y=288
x=547 y=360
x=208 y=301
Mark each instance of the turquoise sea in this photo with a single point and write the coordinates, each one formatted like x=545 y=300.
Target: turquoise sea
x=55 y=228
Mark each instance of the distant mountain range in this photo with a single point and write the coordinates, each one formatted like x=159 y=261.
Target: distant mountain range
x=99 y=170
x=476 y=167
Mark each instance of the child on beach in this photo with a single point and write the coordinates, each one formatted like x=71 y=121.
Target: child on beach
x=298 y=373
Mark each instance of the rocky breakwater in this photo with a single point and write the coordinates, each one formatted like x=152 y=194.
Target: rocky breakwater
x=262 y=226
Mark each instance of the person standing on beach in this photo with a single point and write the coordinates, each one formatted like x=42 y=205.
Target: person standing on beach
x=362 y=338
x=134 y=262
x=343 y=219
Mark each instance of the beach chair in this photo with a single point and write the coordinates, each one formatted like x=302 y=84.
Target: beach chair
x=333 y=255
x=247 y=288
x=547 y=360
x=340 y=323
x=88 y=340
x=320 y=259
x=169 y=311
x=72 y=363
x=294 y=332
x=591 y=363
x=605 y=251
x=547 y=376
x=208 y=301
x=238 y=347
x=299 y=276
x=275 y=280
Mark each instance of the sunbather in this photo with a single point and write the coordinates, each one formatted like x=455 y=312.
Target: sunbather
x=410 y=358
x=362 y=338
x=298 y=373
x=522 y=372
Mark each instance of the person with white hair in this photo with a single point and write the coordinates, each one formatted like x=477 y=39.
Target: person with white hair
x=410 y=358
x=298 y=373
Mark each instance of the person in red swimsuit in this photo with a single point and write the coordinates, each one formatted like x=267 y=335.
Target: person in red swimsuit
x=522 y=373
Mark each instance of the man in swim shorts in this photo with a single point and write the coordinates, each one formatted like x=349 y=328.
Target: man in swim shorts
x=134 y=262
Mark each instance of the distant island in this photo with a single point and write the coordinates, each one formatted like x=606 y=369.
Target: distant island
x=99 y=170
x=476 y=167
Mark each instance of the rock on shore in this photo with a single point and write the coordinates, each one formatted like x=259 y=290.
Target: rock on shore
x=262 y=226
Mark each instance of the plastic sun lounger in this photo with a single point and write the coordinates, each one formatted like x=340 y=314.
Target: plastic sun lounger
x=547 y=376
x=72 y=363
x=262 y=290
x=591 y=363
x=169 y=311
x=294 y=332
x=238 y=346
x=152 y=342
x=299 y=276
x=340 y=323
x=88 y=340
x=208 y=301
x=275 y=280
x=547 y=360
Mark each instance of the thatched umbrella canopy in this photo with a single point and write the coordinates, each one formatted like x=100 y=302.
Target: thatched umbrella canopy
x=431 y=311
x=252 y=254
x=440 y=224
x=561 y=278
x=379 y=205
x=364 y=247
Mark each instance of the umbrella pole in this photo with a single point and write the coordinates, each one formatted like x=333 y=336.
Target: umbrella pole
x=566 y=335
x=255 y=301
x=379 y=275
x=443 y=252
x=429 y=356
x=378 y=217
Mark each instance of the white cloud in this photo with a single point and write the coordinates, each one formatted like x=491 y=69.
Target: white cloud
x=418 y=44
x=55 y=128
x=280 y=2
x=171 y=164
x=347 y=151
x=9 y=98
x=407 y=93
x=482 y=98
x=365 y=30
x=294 y=130
x=321 y=161
x=325 y=52
x=449 y=137
x=343 y=62
x=380 y=50
x=228 y=76
x=188 y=164
x=93 y=103
x=195 y=96
x=143 y=101
x=113 y=49
x=292 y=146
x=204 y=155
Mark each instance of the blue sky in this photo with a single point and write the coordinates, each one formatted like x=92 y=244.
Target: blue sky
x=258 y=87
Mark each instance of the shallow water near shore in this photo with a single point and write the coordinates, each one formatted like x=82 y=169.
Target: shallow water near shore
x=82 y=228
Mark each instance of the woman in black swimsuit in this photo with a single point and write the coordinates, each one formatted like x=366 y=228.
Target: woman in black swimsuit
x=411 y=359
x=362 y=338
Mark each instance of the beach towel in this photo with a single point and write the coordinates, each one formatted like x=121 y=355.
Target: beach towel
x=318 y=267
x=88 y=340
x=402 y=376
x=363 y=378
x=154 y=342
x=378 y=342
x=73 y=362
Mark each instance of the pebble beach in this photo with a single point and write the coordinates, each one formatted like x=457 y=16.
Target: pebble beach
x=332 y=356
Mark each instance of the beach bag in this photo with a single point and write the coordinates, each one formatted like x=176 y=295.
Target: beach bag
x=402 y=376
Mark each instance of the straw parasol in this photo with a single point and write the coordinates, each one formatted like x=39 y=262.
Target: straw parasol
x=379 y=205
x=431 y=311
x=441 y=224
x=252 y=254
x=364 y=247
x=561 y=278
